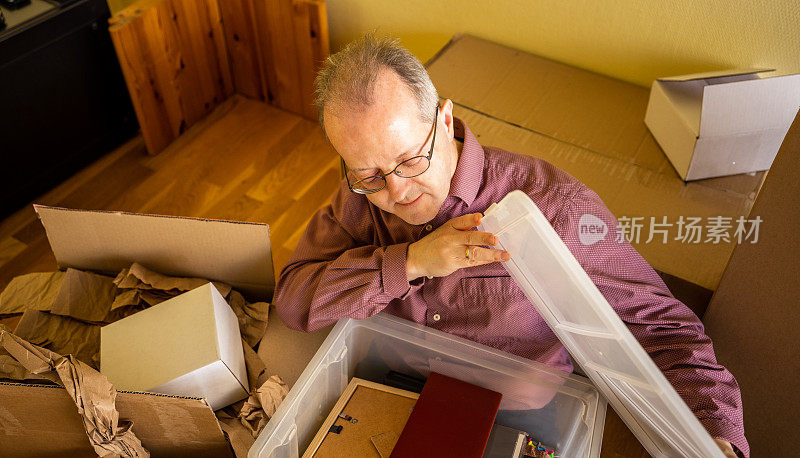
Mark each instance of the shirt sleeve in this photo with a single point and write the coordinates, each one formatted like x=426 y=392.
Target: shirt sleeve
x=332 y=275
x=668 y=330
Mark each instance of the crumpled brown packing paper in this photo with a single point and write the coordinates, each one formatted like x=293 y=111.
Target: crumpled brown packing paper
x=36 y=291
x=262 y=404
x=62 y=335
x=92 y=393
x=60 y=309
x=84 y=296
x=252 y=316
x=139 y=277
x=244 y=420
x=266 y=394
x=141 y=287
x=81 y=295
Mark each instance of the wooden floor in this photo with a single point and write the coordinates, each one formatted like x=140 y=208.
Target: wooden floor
x=246 y=161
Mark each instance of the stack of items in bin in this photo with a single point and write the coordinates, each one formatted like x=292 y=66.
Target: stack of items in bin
x=448 y=418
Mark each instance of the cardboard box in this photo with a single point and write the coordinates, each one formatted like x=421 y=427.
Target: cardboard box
x=189 y=345
x=591 y=126
x=42 y=420
x=287 y=351
x=754 y=315
x=232 y=252
x=722 y=123
x=237 y=253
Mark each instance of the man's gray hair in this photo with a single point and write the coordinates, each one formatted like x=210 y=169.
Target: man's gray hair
x=347 y=79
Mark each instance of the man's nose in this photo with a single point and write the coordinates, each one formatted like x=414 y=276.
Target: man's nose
x=397 y=187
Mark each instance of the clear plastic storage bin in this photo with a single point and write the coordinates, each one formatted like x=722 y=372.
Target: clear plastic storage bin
x=560 y=409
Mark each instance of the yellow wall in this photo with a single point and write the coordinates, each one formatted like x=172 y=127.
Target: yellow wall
x=634 y=40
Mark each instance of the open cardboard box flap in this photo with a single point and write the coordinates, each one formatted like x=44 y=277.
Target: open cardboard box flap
x=748 y=106
x=717 y=74
x=733 y=102
x=237 y=253
x=60 y=432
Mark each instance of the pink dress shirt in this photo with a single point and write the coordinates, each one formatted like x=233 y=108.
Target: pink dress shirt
x=351 y=262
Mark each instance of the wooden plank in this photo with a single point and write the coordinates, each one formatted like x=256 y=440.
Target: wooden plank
x=161 y=40
x=311 y=32
x=318 y=30
x=304 y=54
x=278 y=26
x=209 y=38
x=143 y=85
x=243 y=47
x=263 y=43
x=175 y=62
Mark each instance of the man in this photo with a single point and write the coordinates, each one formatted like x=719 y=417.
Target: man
x=399 y=236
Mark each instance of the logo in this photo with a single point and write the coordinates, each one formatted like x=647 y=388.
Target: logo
x=591 y=229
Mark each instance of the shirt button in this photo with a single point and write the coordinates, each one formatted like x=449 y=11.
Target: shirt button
x=436 y=317
x=430 y=277
x=428 y=227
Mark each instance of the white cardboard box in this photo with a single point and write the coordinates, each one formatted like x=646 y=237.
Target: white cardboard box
x=189 y=345
x=722 y=123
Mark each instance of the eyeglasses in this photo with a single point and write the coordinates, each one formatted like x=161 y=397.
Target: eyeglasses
x=409 y=168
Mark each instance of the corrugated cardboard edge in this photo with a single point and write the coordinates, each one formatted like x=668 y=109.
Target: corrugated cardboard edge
x=217 y=435
x=716 y=74
x=7 y=382
x=252 y=290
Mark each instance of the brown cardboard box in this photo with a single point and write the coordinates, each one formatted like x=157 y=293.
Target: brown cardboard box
x=591 y=126
x=286 y=351
x=754 y=318
x=236 y=253
x=41 y=420
x=722 y=123
x=232 y=252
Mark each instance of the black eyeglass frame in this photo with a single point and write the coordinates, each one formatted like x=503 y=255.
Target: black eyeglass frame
x=383 y=176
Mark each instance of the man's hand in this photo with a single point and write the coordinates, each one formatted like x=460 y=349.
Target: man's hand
x=726 y=448
x=444 y=250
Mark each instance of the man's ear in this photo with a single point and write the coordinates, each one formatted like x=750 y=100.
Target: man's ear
x=447 y=116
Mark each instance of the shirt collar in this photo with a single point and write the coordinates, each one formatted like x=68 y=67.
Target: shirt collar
x=468 y=176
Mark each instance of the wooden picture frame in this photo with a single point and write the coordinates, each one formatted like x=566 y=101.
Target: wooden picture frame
x=379 y=411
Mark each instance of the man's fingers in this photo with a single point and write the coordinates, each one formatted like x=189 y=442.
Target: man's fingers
x=478 y=238
x=466 y=222
x=479 y=255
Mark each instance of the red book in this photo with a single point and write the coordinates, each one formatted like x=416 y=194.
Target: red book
x=450 y=419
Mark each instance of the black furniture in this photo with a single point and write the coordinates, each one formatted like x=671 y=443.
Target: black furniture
x=63 y=100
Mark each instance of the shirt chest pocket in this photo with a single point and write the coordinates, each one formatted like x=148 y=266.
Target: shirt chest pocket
x=495 y=308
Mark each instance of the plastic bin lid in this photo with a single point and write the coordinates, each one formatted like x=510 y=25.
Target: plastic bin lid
x=591 y=330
